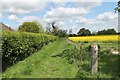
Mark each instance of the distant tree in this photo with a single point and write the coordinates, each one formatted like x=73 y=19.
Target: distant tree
x=108 y=31
x=111 y=31
x=81 y=31
x=30 y=27
x=102 y=32
x=87 y=32
x=84 y=32
x=48 y=28
x=94 y=33
x=55 y=29
x=70 y=32
x=62 y=33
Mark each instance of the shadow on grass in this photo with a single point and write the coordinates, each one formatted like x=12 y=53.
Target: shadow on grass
x=108 y=67
x=109 y=64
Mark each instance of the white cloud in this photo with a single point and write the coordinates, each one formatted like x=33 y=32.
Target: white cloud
x=61 y=24
x=62 y=12
x=13 y=17
x=88 y=4
x=101 y=18
x=102 y=21
x=82 y=20
x=24 y=19
x=107 y=16
x=22 y=7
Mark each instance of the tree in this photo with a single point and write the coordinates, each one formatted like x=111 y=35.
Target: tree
x=80 y=32
x=40 y=26
x=55 y=29
x=111 y=31
x=84 y=32
x=48 y=29
x=70 y=32
x=108 y=31
x=102 y=32
x=87 y=32
x=118 y=7
x=94 y=33
x=62 y=33
x=34 y=27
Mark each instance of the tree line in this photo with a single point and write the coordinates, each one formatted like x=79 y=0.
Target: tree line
x=36 y=27
x=87 y=32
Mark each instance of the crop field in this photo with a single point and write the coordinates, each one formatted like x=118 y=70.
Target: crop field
x=95 y=38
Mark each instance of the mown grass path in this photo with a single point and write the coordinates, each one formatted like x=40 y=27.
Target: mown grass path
x=42 y=65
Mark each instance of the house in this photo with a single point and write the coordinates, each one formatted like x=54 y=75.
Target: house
x=4 y=27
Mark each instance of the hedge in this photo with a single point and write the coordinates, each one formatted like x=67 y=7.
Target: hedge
x=17 y=46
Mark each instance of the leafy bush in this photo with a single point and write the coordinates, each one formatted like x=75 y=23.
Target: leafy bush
x=34 y=27
x=17 y=46
x=73 y=55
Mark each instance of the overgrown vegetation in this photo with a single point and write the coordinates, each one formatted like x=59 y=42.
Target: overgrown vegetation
x=17 y=46
x=42 y=65
x=68 y=61
x=34 y=27
x=79 y=55
x=56 y=31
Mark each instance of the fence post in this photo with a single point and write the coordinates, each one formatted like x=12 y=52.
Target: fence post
x=94 y=58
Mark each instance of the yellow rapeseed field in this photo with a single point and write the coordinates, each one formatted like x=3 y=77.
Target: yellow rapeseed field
x=95 y=38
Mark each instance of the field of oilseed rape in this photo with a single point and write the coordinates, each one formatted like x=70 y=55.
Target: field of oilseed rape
x=95 y=38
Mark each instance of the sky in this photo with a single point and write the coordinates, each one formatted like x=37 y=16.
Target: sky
x=94 y=15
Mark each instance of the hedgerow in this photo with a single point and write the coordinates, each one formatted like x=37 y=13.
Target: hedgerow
x=17 y=46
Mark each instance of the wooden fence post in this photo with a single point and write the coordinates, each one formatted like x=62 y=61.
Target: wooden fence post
x=94 y=58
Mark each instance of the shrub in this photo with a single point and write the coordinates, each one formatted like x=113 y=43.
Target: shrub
x=34 y=27
x=17 y=46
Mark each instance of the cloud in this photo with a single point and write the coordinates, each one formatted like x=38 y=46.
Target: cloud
x=101 y=21
x=101 y=18
x=107 y=16
x=13 y=17
x=24 y=19
x=65 y=10
x=62 y=13
x=88 y=4
x=22 y=7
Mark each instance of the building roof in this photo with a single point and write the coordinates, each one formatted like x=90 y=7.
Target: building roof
x=5 y=27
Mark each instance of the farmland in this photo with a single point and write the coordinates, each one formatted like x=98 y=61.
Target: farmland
x=95 y=38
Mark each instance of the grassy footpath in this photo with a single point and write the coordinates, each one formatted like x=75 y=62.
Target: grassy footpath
x=42 y=65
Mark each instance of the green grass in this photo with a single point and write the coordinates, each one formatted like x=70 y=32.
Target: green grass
x=108 y=64
x=42 y=65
